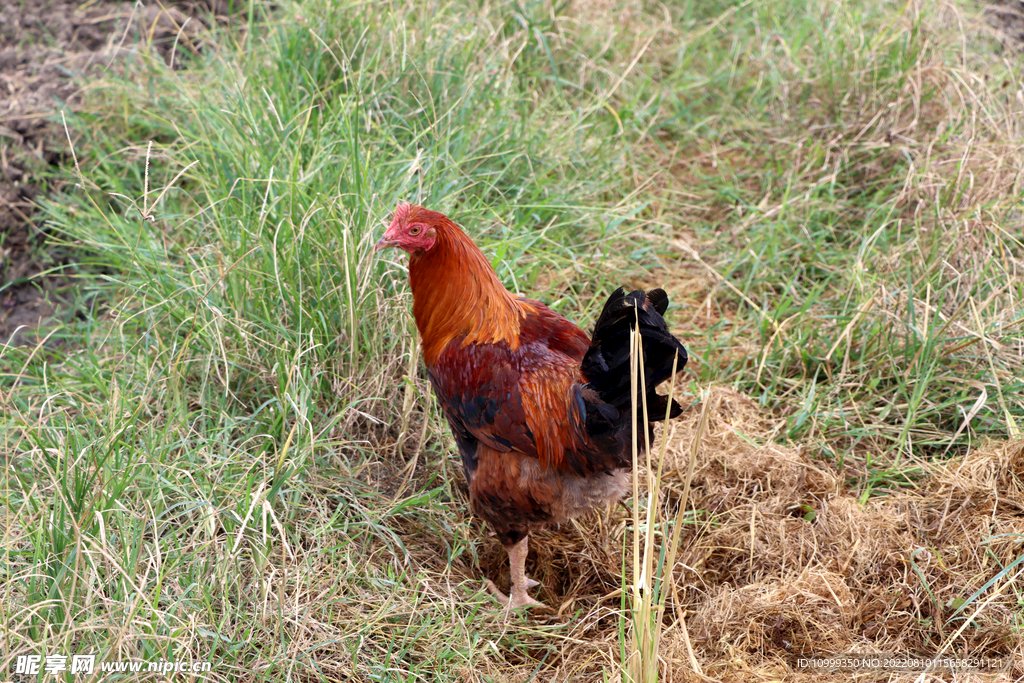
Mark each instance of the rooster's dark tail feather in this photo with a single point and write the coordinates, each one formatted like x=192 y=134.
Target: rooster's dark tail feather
x=606 y=363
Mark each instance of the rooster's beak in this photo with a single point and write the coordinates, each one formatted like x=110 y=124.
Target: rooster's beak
x=384 y=243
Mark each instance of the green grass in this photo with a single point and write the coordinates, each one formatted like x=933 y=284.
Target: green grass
x=213 y=466
x=864 y=207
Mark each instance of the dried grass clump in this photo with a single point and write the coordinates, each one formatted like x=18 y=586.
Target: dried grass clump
x=799 y=611
x=788 y=564
x=986 y=476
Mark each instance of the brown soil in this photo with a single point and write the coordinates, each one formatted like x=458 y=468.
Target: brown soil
x=1007 y=18
x=49 y=49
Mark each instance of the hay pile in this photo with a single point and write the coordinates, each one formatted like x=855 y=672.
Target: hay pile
x=791 y=565
x=786 y=563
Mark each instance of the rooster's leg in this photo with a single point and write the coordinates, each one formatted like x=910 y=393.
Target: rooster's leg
x=520 y=582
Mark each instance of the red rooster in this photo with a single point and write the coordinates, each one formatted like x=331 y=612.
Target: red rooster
x=540 y=412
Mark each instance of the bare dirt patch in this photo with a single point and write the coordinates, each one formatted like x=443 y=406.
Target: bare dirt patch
x=1007 y=17
x=49 y=51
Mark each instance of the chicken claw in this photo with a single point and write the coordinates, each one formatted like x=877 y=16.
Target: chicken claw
x=519 y=599
x=520 y=581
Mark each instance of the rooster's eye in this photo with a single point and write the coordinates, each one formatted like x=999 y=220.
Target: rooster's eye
x=415 y=230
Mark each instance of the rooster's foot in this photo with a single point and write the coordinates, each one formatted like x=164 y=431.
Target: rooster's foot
x=519 y=598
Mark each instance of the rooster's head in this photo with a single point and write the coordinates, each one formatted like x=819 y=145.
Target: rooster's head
x=413 y=229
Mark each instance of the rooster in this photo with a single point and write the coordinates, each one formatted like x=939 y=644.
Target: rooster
x=541 y=414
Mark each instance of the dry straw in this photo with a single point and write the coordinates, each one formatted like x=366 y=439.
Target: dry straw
x=653 y=570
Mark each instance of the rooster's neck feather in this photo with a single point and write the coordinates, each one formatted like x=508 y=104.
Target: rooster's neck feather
x=456 y=293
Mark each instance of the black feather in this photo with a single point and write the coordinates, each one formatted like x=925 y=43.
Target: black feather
x=606 y=364
x=658 y=299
